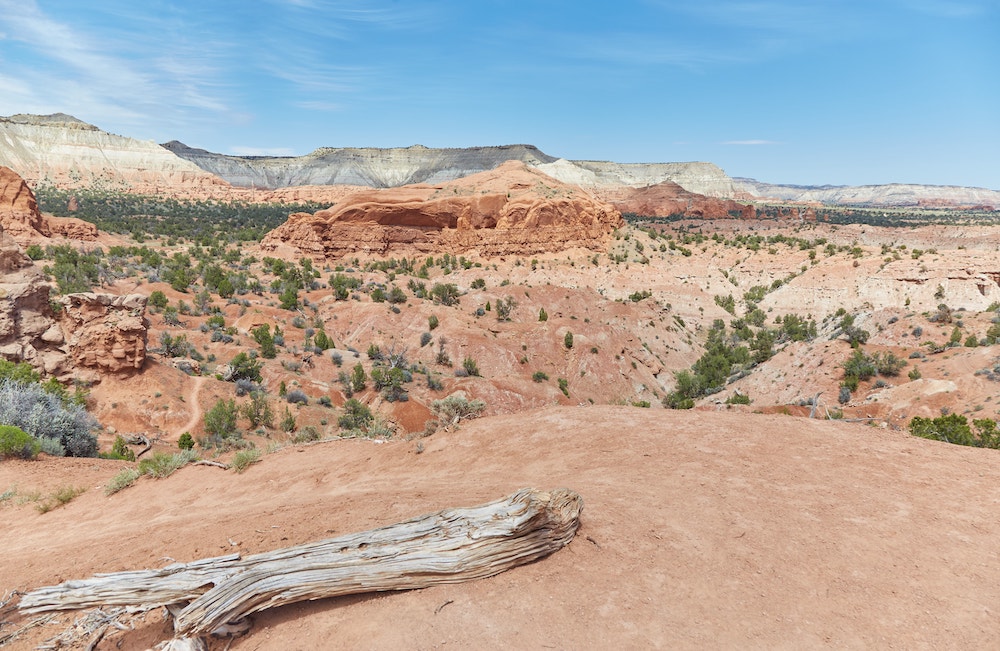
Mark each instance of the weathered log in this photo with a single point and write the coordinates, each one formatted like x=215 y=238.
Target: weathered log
x=449 y=546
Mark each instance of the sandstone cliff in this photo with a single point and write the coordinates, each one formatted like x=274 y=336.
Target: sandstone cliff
x=513 y=209
x=65 y=151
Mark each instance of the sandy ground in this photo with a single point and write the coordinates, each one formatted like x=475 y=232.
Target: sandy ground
x=700 y=530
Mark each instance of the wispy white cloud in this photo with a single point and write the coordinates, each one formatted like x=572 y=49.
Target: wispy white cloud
x=751 y=143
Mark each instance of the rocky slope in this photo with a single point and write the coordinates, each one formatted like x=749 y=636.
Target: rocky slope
x=65 y=151
x=891 y=195
x=511 y=209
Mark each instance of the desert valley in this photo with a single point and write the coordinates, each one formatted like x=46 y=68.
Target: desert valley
x=777 y=403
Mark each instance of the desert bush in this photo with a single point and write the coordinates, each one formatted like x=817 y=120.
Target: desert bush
x=445 y=294
x=442 y=356
x=738 y=399
x=563 y=386
x=45 y=416
x=432 y=322
x=337 y=358
x=433 y=383
x=539 y=376
x=358 y=378
x=245 y=367
x=542 y=314
x=157 y=300
x=887 y=363
x=356 y=416
x=306 y=435
x=243 y=459
x=504 y=308
x=288 y=422
x=262 y=335
x=161 y=465
x=220 y=420
x=449 y=411
x=470 y=366
x=954 y=428
x=568 y=340
x=186 y=441
x=15 y=442
x=258 y=410
x=425 y=338
x=125 y=478
x=297 y=396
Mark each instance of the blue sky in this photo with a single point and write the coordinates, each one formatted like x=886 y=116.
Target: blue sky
x=791 y=91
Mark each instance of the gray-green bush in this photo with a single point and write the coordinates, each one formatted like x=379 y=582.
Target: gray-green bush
x=59 y=426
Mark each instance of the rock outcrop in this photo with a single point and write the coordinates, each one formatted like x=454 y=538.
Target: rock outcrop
x=105 y=333
x=21 y=219
x=28 y=329
x=99 y=332
x=513 y=209
x=669 y=199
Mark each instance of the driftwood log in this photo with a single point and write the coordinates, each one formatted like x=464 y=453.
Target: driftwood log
x=450 y=546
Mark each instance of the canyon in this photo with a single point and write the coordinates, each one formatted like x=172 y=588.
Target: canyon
x=786 y=508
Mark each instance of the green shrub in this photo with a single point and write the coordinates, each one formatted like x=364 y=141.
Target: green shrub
x=568 y=340
x=244 y=367
x=954 y=428
x=540 y=376
x=432 y=322
x=186 y=441
x=243 y=459
x=161 y=465
x=470 y=366
x=356 y=416
x=220 y=420
x=738 y=399
x=15 y=442
x=288 y=422
x=125 y=478
x=564 y=386
x=121 y=451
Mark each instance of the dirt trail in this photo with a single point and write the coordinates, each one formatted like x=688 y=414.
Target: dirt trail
x=192 y=399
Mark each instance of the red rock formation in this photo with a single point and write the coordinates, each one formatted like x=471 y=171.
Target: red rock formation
x=668 y=198
x=513 y=209
x=21 y=219
x=106 y=333
x=19 y=213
